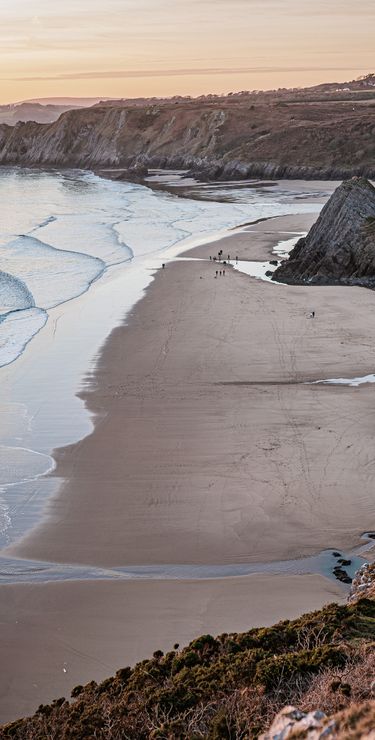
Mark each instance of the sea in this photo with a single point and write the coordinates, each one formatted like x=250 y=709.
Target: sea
x=77 y=251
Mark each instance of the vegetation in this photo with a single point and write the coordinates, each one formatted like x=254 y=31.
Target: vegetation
x=225 y=687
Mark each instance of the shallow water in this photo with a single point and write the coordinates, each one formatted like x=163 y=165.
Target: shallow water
x=59 y=232
x=77 y=253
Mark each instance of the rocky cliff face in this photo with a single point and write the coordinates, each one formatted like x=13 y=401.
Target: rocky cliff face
x=340 y=247
x=231 y=138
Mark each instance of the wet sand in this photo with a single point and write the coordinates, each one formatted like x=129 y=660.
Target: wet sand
x=209 y=447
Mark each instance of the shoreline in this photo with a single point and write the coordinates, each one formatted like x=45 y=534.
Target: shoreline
x=58 y=634
x=124 y=387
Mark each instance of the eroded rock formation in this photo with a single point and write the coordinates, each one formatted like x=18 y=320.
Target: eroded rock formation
x=340 y=247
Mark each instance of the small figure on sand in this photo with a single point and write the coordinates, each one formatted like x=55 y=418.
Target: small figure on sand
x=163 y=265
x=236 y=259
x=216 y=273
x=223 y=272
x=312 y=315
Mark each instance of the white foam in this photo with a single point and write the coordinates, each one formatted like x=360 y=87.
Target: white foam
x=16 y=330
x=52 y=276
x=18 y=464
x=354 y=382
x=14 y=294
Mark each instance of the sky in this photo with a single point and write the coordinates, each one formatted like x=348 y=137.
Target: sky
x=131 y=48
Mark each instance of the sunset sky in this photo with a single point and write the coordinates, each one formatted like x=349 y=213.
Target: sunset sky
x=124 y=48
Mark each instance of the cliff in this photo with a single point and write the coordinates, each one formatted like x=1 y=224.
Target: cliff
x=265 y=135
x=340 y=247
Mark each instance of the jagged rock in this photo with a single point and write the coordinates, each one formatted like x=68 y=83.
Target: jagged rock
x=290 y=722
x=354 y=723
x=137 y=172
x=363 y=584
x=340 y=247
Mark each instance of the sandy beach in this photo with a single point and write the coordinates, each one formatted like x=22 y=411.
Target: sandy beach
x=210 y=446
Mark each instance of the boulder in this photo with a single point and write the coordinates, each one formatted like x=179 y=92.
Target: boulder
x=291 y=722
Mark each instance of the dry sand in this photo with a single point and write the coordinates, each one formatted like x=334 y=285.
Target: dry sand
x=208 y=448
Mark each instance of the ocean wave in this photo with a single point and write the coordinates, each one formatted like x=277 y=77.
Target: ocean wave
x=17 y=329
x=14 y=294
x=76 y=224
x=52 y=276
x=84 y=234
x=18 y=464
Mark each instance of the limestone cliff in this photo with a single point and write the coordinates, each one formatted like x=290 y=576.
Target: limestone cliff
x=228 y=138
x=340 y=247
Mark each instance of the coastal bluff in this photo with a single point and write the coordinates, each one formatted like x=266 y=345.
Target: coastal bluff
x=315 y=673
x=312 y=133
x=340 y=246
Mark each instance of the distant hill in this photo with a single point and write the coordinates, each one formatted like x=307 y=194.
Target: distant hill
x=311 y=133
x=11 y=114
x=67 y=101
x=42 y=110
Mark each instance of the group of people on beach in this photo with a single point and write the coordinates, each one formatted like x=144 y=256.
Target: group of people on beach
x=220 y=258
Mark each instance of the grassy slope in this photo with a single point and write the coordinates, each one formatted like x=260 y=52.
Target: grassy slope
x=228 y=687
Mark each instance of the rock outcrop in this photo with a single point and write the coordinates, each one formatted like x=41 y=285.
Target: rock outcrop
x=363 y=585
x=357 y=723
x=291 y=722
x=340 y=247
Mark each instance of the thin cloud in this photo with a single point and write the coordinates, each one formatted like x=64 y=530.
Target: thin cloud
x=136 y=73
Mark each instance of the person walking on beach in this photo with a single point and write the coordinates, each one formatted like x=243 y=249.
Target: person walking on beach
x=223 y=272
